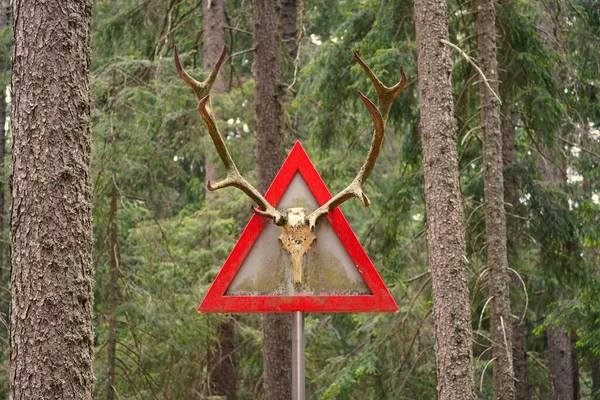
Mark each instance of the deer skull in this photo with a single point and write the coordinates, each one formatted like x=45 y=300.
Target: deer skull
x=296 y=238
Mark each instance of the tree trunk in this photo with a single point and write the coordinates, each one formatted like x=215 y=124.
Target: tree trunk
x=289 y=32
x=4 y=5
x=51 y=279
x=511 y=200
x=575 y=366
x=222 y=360
x=495 y=217
x=114 y=256
x=595 y=367
x=277 y=328
x=213 y=22
x=520 y=362
x=508 y=123
x=561 y=367
x=445 y=232
x=4 y=12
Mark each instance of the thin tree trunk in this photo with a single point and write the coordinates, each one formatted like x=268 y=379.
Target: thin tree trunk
x=289 y=15
x=4 y=11
x=445 y=232
x=575 y=367
x=559 y=356
x=495 y=217
x=222 y=359
x=114 y=256
x=511 y=194
x=277 y=328
x=559 y=344
x=51 y=279
x=520 y=361
x=511 y=200
x=213 y=22
x=4 y=5
x=595 y=367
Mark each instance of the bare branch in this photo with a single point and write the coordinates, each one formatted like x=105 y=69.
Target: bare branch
x=579 y=147
x=472 y=62
x=301 y=34
x=524 y=291
x=386 y=96
x=483 y=374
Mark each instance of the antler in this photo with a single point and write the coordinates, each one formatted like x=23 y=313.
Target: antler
x=234 y=178
x=202 y=89
x=385 y=99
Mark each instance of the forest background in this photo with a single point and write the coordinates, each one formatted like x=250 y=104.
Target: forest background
x=159 y=238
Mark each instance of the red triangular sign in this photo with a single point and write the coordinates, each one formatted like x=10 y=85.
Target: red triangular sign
x=338 y=274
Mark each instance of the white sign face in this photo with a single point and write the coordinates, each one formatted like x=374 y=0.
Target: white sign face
x=327 y=269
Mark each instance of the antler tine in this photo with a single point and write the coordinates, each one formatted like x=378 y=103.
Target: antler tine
x=202 y=89
x=234 y=178
x=386 y=96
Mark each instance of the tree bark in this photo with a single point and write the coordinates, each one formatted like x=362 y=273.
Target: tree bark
x=289 y=32
x=213 y=32
x=277 y=328
x=495 y=217
x=4 y=5
x=222 y=359
x=511 y=200
x=51 y=279
x=445 y=232
x=4 y=11
x=575 y=366
x=223 y=373
x=508 y=123
x=114 y=256
x=561 y=367
x=520 y=362
x=595 y=367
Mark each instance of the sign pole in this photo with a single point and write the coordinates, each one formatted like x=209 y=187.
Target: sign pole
x=298 y=346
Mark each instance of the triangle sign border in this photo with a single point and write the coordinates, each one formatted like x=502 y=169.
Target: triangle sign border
x=380 y=299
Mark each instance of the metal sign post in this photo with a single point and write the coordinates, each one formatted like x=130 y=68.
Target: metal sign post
x=298 y=346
